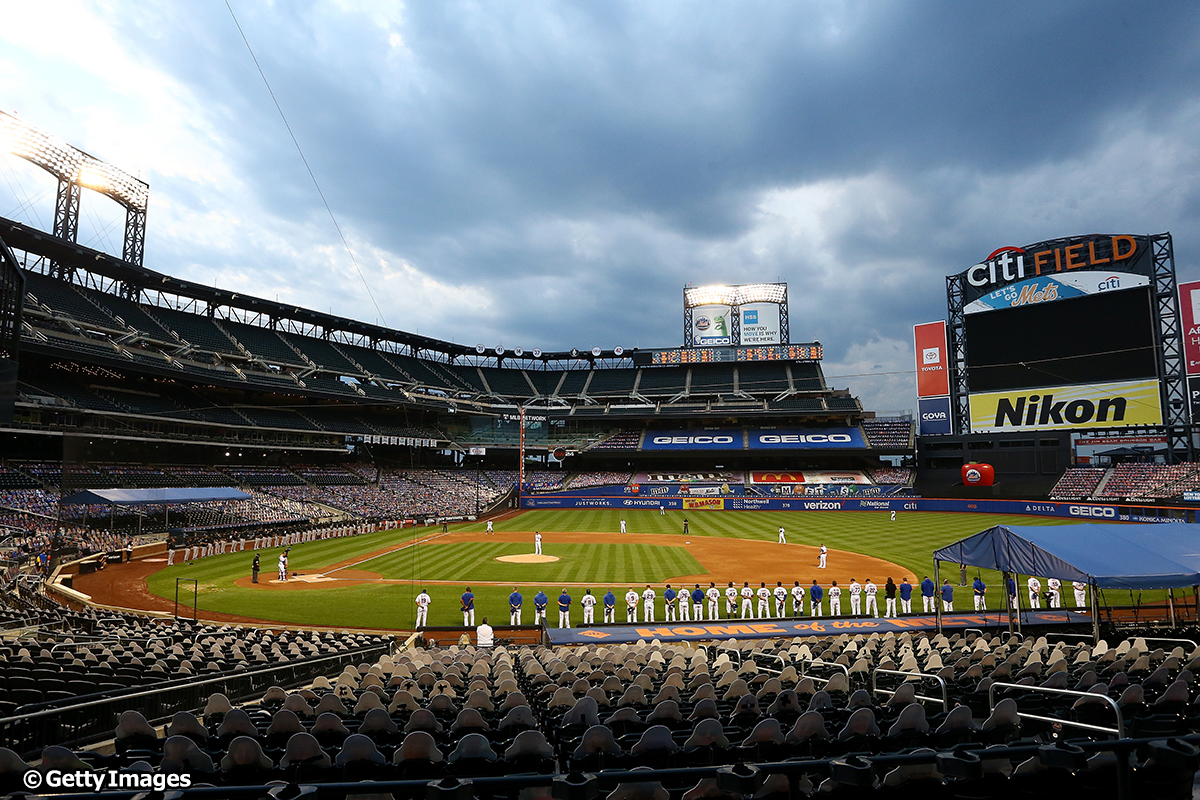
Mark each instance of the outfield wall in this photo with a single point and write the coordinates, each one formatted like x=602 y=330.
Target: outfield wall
x=1047 y=508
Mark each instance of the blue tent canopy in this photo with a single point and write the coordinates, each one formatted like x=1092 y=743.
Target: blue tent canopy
x=143 y=497
x=1152 y=556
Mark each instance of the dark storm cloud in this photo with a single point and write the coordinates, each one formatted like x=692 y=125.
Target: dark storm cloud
x=580 y=162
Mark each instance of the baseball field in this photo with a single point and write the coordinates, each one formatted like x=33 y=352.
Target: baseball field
x=371 y=581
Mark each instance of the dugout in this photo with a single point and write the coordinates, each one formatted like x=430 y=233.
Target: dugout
x=1105 y=557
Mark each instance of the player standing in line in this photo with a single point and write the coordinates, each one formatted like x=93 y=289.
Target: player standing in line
x=889 y=596
x=906 y=596
x=685 y=604
x=564 y=609
x=927 y=589
x=824 y=555
x=1054 y=586
x=714 y=601
x=747 y=610
x=588 y=601
x=623 y=526
x=668 y=604
x=979 y=591
x=514 y=607
x=698 y=604
x=648 y=598
x=947 y=596
x=1010 y=584
x=610 y=607
x=731 y=600
x=855 y=589
x=540 y=602
x=782 y=538
x=537 y=543
x=764 y=601
x=835 y=600
x=871 y=590
x=631 y=598
x=781 y=594
x=423 y=600
x=1035 y=592
x=797 y=600
x=1080 y=593
x=468 y=608
x=815 y=595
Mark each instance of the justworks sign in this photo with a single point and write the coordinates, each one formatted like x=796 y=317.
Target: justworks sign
x=1063 y=407
x=1121 y=253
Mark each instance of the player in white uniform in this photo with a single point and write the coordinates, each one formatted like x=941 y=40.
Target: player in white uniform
x=835 y=600
x=764 y=601
x=747 y=610
x=731 y=599
x=1080 y=593
x=781 y=594
x=855 y=589
x=1035 y=592
x=588 y=601
x=685 y=603
x=824 y=555
x=631 y=598
x=1055 y=587
x=423 y=601
x=872 y=603
x=622 y=526
x=714 y=601
x=537 y=543
x=489 y=527
x=648 y=598
x=283 y=566
x=797 y=600
x=782 y=538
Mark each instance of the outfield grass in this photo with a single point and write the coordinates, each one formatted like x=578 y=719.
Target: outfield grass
x=909 y=542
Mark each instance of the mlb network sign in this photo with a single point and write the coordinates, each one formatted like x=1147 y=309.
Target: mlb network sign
x=1099 y=405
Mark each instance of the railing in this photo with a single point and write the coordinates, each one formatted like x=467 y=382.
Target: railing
x=95 y=720
x=818 y=662
x=1119 y=731
x=944 y=699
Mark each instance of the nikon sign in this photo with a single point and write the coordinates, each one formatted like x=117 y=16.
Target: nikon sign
x=1100 y=405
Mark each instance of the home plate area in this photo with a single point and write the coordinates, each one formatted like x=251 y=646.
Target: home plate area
x=315 y=577
x=775 y=628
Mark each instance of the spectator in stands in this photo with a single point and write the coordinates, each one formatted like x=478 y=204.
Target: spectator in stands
x=484 y=636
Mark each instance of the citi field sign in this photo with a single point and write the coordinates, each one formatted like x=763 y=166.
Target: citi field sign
x=1046 y=268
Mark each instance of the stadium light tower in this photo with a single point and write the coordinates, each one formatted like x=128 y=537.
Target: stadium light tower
x=75 y=171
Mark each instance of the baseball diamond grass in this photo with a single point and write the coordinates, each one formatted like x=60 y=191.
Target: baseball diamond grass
x=909 y=542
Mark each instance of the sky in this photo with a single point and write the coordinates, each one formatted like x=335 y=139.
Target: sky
x=552 y=174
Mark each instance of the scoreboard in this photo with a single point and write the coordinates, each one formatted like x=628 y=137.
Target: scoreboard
x=721 y=355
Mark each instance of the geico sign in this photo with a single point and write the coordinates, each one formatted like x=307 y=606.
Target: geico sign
x=1009 y=264
x=721 y=439
x=799 y=438
x=1092 y=511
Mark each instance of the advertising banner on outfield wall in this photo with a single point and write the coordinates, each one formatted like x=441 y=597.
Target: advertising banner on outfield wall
x=759 y=324
x=709 y=439
x=1097 y=405
x=933 y=416
x=810 y=476
x=717 y=476
x=704 y=503
x=806 y=438
x=712 y=326
x=933 y=363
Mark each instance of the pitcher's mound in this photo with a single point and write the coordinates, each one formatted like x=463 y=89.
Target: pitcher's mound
x=527 y=558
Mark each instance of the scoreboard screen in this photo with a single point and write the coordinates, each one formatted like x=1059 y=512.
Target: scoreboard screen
x=720 y=355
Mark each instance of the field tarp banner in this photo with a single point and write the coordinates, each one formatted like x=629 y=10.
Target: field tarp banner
x=1165 y=556
x=774 y=628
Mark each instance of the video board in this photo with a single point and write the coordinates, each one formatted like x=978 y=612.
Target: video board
x=753 y=314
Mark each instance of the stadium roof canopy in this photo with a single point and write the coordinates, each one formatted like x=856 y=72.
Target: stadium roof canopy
x=142 y=497
x=1151 y=556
